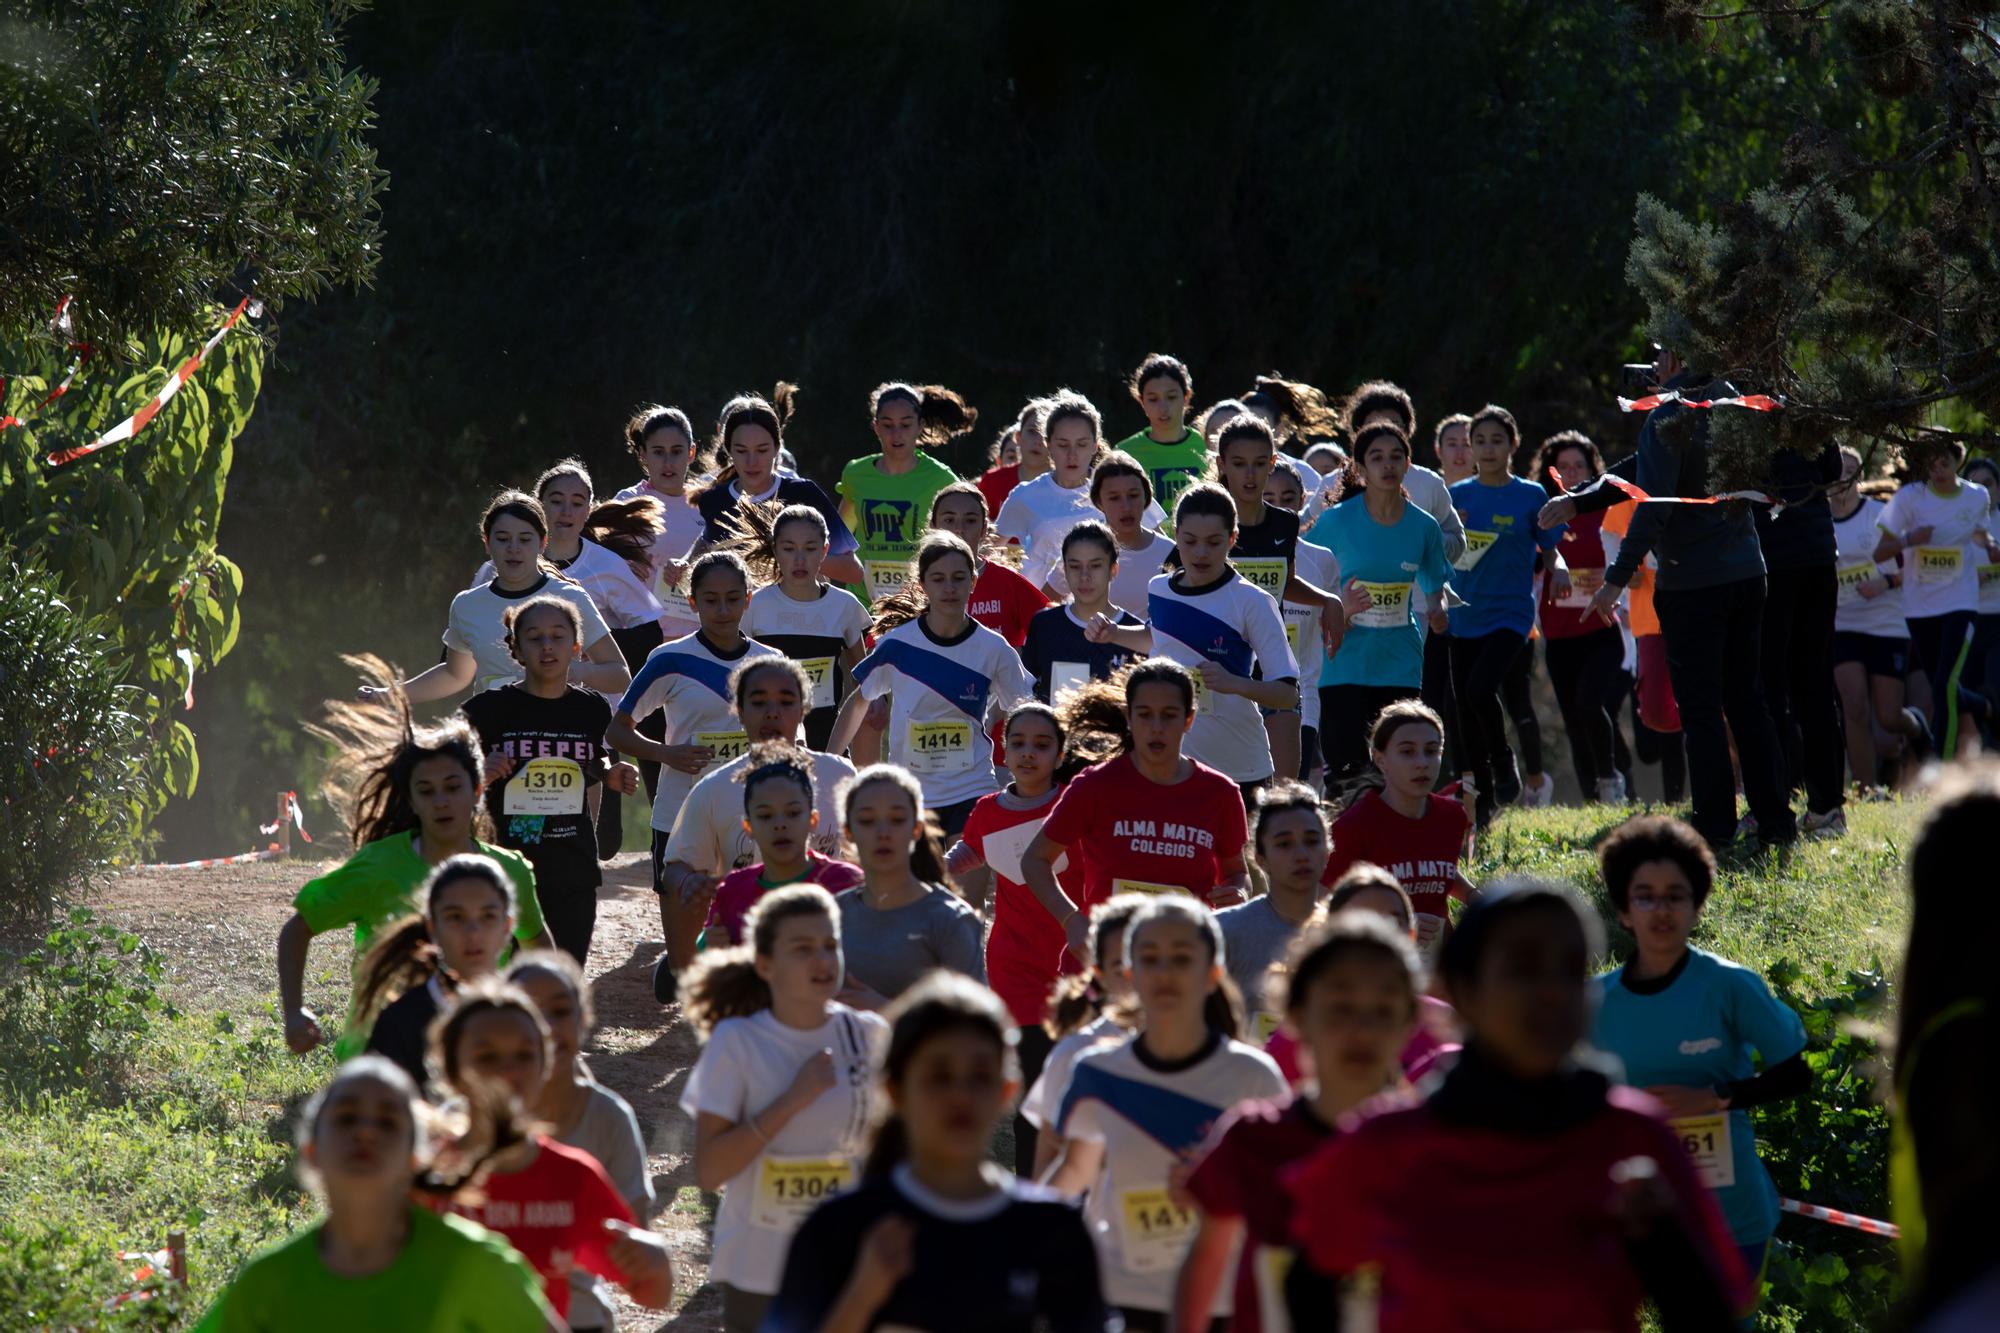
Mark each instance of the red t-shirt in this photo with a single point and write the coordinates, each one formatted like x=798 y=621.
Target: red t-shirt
x=1237 y=1176
x=740 y=889
x=995 y=483
x=1582 y=548
x=1026 y=950
x=554 y=1212
x=1134 y=833
x=1420 y=853
x=1475 y=1227
x=1004 y=602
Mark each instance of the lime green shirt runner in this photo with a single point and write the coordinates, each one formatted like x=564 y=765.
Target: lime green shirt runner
x=888 y=514
x=1172 y=467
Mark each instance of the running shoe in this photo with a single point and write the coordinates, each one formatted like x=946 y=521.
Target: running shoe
x=1832 y=824
x=1611 y=790
x=1539 y=796
x=1922 y=742
x=666 y=987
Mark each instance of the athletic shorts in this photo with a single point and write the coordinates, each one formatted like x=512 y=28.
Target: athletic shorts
x=660 y=839
x=1877 y=653
x=953 y=817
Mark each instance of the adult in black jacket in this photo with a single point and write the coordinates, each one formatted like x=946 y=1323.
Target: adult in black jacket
x=1799 y=563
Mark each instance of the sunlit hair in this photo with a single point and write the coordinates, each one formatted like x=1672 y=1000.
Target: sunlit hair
x=724 y=983
x=377 y=747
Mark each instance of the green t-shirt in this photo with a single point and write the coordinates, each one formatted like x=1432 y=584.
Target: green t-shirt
x=889 y=514
x=1172 y=467
x=453 y=1276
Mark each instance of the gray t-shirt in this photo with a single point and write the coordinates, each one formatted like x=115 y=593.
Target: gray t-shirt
x=1254 y=936
x=891 y=951
x=609 y=1132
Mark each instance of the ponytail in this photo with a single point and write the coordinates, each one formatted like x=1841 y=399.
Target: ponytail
x=941 y=413
x=941 y=1004
x=627 y=528
x=747 y=410
x=400 y=957
x=753 y=535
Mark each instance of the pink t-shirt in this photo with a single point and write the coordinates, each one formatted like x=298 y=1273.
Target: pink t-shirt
x=740 y=890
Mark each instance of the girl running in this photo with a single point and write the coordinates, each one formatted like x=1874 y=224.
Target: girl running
x=1398 y=822
x=901 y=921
x=1288 y=834
x=662 y=441
x=822 y=628
x=1305 y=622
x=1003 y=472
x=516 y=532
x=1350 y=990
x=1452 y=444
x=1656 y=731
x=1526 y=1191
x=1040 y=512
x=413 y=803
x=780 y=1095
x=945 y=676
x=1173 y=455
x=553 y=1203
x=780 y=815
x=688 y=680
x=885 y=496
x=1147 y=820
x=936 y=1236
x=583 y=1113
x=1085 y=1011
x=1380 y=402
x=1686 y=1023
x=544 y=744
x=1002 y=600
x=1060 y=653
x=1133 y=1109
x=1871 y=642
x=417 y=964
x=376 y=1260
x=1123 y=493
x=749 y=438
x=1031 y=457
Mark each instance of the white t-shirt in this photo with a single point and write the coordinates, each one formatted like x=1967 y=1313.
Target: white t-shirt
x=1432 y=496
x=474 y=625
x=1141 y=1235
x=836 y=614
x=1044 y=1099
x=1854 y=540
x=621 y=598
x=1939 y=576
x=1039 y=514
x=1135 y=570
x=941 y=697
x=609 y=1132
x=747 y=1064
x=683 y=529
x=690 y=680
x=708 y=833
x=1235 y=623
x=1317 y=566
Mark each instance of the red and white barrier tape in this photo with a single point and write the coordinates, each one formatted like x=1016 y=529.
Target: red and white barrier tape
x=293 y=813
x=1643 y=497
x=272 y=853
x=1755 y=402
x=1840 y=1219
x=135 y=423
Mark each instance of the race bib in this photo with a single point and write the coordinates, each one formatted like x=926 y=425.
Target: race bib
x=1476 y=546
x=1938 y=564
x=1267 y=572
x=1706 y=1138
x=1851 y=577
x=1145 y=886
x=1267 y=1023
x=1067 y=676
x=727 y=745
x=1389 y=606
x=1583 y=585
x=788 y=1188
x=1988 y=574
x=939 y=748
x=544 y=787
x=1292 y=635
x=1154 y=1231
x=820 y=669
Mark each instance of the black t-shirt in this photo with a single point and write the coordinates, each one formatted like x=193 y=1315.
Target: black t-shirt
x=1264 y=551
x=1017 y=1260
x=558 y=750
x=1056 y=648
x=717 y=503
x=402 y=1030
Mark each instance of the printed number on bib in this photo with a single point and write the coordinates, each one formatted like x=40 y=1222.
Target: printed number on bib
x=544 y=787
x=1067 y=676
x=790 y=1187
x=1476 y=546
x=727 y=745
x=1267 y=572
x=1145 y=886
x=886 y=576
x=820 y=670
x=1155 y=1230
x=1988 y=574
x=1583 y=585
x=1706 y=1138
x=1938 y=564
x=1388 y=606
x=939 y=747
x=1851 y=577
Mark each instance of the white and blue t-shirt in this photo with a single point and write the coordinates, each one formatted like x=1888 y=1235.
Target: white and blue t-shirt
x=1699 y=1031
x=1395 y=562
x=949 y=690
x=690 y=679
x=1236 y=624
x=1495 y=574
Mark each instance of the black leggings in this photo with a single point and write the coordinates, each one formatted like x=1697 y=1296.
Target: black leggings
x=1345 y=714
x=1437 y=692
x=1941 y=645
x=1517 y=699
x=1478 y=668
x=1032 y=1050
x=1588 y=672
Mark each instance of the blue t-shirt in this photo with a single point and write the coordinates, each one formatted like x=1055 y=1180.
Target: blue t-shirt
x=1060 y=656
x=1383 y=645
x=1496 y=574
x=1699 y=1032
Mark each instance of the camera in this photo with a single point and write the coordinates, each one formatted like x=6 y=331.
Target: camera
x=1636 y=379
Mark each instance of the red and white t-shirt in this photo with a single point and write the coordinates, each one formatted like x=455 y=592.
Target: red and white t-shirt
x=1420 y=853
x=1026 y=950
x=1004 y=602
x=1134 y=834
x=553 y=1211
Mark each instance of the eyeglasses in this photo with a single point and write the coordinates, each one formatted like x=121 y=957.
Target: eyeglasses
x=1662 y=902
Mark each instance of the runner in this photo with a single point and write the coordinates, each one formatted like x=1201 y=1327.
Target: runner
x=885 y=496
x=821 y=627
x=1148 y=820
x=1123 y=493
x=583 y=1113
x=553 y=1203
x=1451 y=443
x=900 y=921
x=1086 y=1010
x=749 y=436
x=415 y=964
x=1351 y=989
x=1003 y=471
x=475 y=636
x=1378 y=402
x=1984 y=667
x=781 y=817
x=780 y=1095
x=1059 y=653
x=593 y=545
x=1305 y=622
x=544 y=743
x=1288 y=834
x=936 y=1236
x=1572 y=1231
x=1685 y=1024
x=1298 y=415
x=412 y=799
x=688 y=679
x=949 y=676
x=1173 y=455
x=1495 y=576
x=1002 y=600
x=1132 y=1110
x=1398 y=822
x=1032 y=456
x=1325 y=459
x=1871 y=642
x=1041 y=512
x=662 y=441
x=376 y=1260
x=1392 y=550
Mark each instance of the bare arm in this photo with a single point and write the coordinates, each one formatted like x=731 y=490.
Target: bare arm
x=1203 y=1272
x=443 y=680
x=1038 y=872
x=846 y=723
x=723 y=1147
x=844 y=568
x=1076 y=1168
x=301 y=1029
x=604 y=669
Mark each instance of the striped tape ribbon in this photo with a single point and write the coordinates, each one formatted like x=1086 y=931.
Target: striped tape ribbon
x=137 y=422
x=1840 y=1219
x=1755 y=402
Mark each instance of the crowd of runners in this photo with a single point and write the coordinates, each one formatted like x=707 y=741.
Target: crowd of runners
x=1122 y=793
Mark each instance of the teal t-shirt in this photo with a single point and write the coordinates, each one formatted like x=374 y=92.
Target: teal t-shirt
x=1383 y=645
x=1700 y=1032
x=453 y=1276
x=1496 y=573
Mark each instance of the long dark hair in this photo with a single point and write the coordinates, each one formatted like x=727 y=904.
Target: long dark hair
x=941 y=412
x=1077 y=998
x=1094 y=713
x=495 y=1119
x=940 y=1004
x=1223 y=1009
x=747 y=409
x=404 y=954
x=927 y=853
x=377 y=747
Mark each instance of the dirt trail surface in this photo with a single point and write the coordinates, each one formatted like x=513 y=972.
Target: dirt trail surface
x=218 y=928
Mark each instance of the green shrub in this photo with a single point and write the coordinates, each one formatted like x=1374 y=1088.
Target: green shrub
x=73 y=1012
